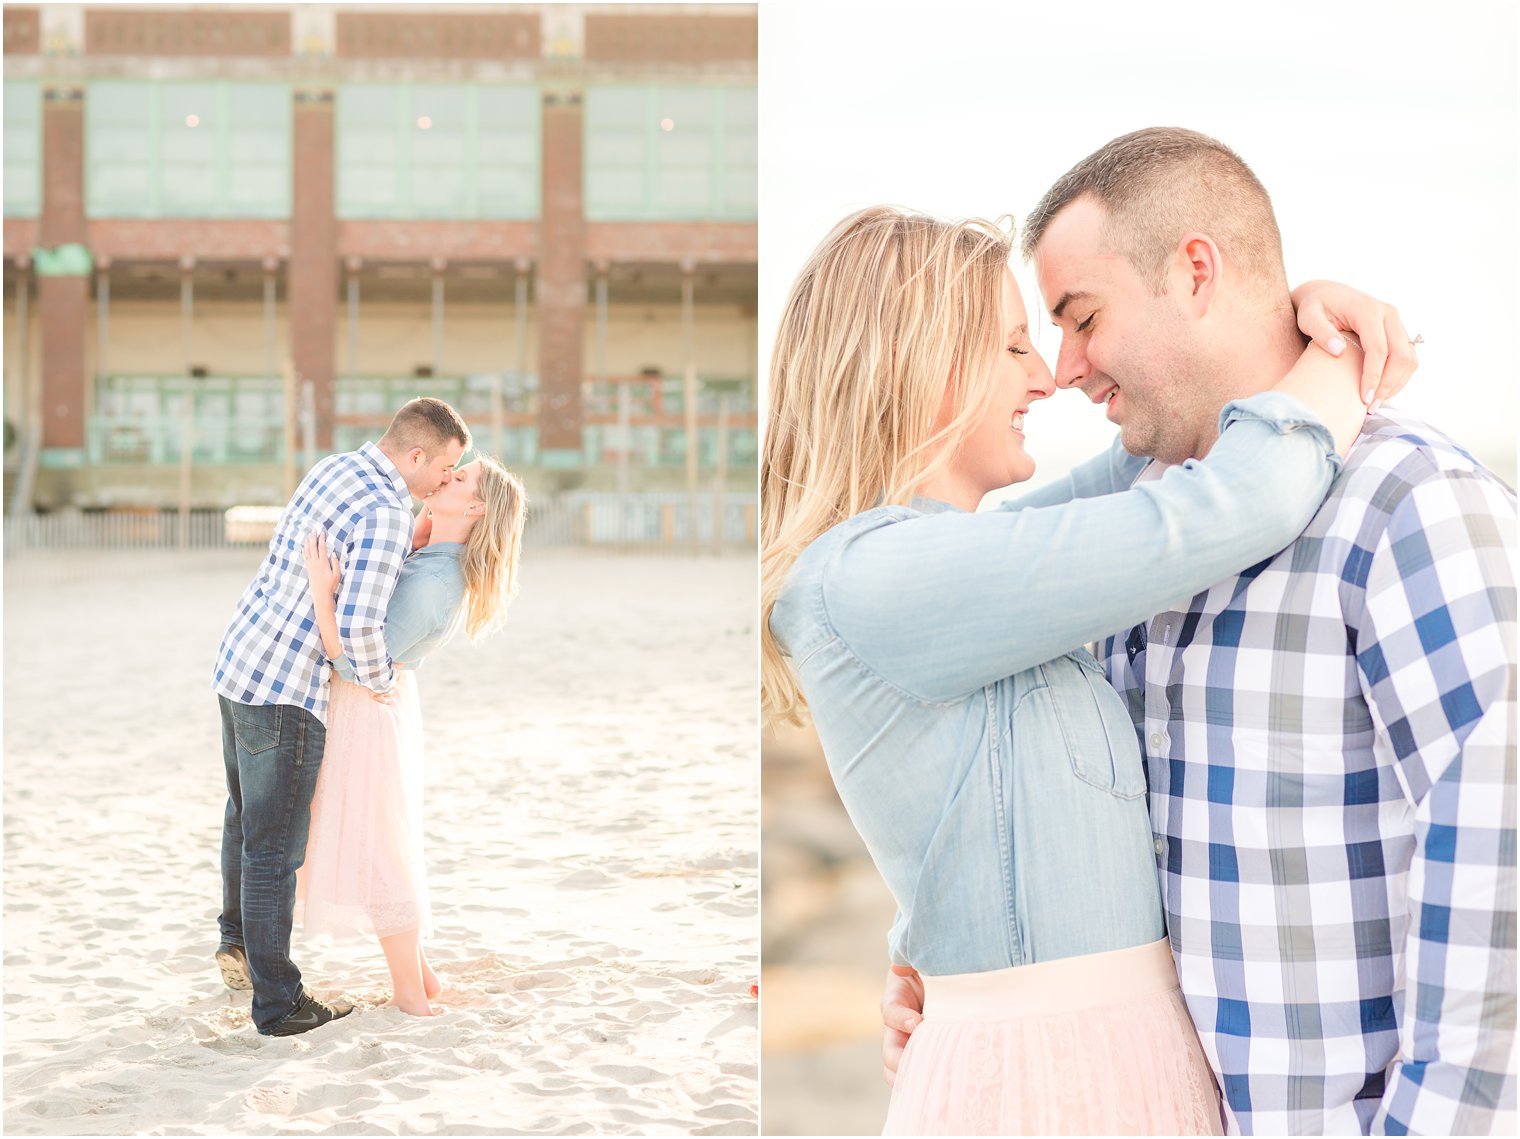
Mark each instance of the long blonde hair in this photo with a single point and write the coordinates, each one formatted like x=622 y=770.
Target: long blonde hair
x=493 y=548
x=895 y=319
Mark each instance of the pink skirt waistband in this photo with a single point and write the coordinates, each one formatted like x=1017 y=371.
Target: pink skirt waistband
x=1047 y=988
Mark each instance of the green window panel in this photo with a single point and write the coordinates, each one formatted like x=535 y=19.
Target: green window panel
x=217 y=149
x=139 y=419
x=684 y=156
x=259 y=166
x=376 y=398
x=23 y=148
x=657 y=153
x=121 y=128
x=507 y=151
x=188 y=154
x=437 y=150
x=740 y=164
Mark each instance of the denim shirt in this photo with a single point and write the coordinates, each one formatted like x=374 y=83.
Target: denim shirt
x=993 y=773
x=424 y=612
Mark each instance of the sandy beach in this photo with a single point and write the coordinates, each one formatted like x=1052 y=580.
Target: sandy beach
x=825 y=915
x=591 y=831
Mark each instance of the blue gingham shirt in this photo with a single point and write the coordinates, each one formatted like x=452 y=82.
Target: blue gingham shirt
x=272 y=652
x=425 y=611
x=1330 y=746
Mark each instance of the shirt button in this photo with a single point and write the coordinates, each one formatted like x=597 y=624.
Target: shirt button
x=1161 y=846
x=1157 y=739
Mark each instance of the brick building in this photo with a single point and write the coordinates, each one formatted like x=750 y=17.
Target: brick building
x=305 y=215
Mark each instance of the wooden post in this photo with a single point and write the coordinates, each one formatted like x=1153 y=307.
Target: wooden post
x=720 y=476
x=30 y=412
x=102 y=327
x=353 y=265
x=498 y=413
x=308 y=424
x=520 y=312
x=689 y=394
x=187 y=409
x=291 y=473
x=438 y=265
x=272 y=348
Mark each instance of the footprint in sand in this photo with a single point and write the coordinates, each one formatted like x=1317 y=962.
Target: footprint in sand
x=485 y=1060
x=726 y=1111
x=279 y=1099
x=744 y=1018
x=586 y=878
x=735 y=1127
x=627 y=1074
x=231 y=1045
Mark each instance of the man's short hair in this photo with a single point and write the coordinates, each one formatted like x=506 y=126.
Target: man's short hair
x=1160 y=183
x=427 y=423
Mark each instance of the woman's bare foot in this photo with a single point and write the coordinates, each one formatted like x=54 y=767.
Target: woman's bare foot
x=431 y=985
x=411 y=1006
x=403 y=955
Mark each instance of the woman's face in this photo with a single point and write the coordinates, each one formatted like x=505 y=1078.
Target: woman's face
x=992 y=453
x=458 y=496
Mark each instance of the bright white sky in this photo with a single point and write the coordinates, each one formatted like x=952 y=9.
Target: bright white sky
x=1385 y=132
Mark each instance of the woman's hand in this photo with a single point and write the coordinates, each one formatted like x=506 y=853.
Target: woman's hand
x=902 y=1007
x=322 y=570
x=1326 y=309
x=1330 y=387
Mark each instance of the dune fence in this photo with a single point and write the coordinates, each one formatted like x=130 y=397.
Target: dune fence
x=661 y=523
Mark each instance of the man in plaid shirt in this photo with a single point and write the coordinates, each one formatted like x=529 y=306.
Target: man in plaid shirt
x=1329 y=736
x=271 y=681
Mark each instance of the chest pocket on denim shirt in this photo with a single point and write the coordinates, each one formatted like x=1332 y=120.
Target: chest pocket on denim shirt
x=1100 y=738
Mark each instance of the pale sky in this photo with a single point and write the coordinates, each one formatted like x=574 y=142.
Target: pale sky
x=1386 y=134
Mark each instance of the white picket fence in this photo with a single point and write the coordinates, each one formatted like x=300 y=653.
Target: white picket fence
x=632 y=523
x=114 y=530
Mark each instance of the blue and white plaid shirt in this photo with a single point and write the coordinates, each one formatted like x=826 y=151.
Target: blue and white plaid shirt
x=1330 y=745
x=272 y=652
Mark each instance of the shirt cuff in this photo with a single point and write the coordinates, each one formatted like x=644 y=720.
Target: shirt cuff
x=344 y=668
x=1284 y=413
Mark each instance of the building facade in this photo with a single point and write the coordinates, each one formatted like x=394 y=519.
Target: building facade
x=260 y=230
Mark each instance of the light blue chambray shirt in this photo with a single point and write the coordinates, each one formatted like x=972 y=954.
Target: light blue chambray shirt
x=988 y=765
x=424 y=612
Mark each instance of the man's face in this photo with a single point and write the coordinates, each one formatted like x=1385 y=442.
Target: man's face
x=425 y=475
x=1122 y=345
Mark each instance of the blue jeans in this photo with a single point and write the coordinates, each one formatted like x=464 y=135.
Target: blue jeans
x=272 y=754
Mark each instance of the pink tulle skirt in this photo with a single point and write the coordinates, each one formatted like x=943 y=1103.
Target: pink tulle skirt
x=364 y=870
x=1093 y=1045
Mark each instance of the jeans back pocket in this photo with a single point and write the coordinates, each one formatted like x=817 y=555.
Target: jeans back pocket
x=257 y=727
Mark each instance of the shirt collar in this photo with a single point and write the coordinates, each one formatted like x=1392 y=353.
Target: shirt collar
x=383 y=464
x=934 y=506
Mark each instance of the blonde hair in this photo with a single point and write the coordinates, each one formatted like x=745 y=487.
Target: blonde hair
x=493 y=548
x=895 y=319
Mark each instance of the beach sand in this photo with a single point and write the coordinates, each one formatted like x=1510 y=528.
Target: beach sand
x=825 y=916
x=591 y=829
